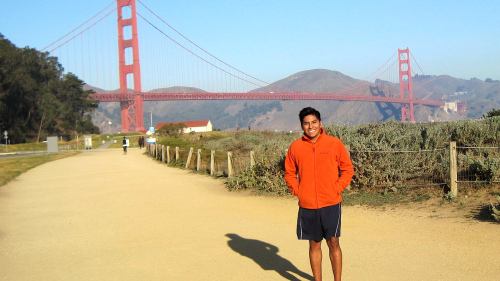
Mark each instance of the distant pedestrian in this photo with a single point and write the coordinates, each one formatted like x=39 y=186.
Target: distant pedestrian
x=125 y=145
x=141 y=142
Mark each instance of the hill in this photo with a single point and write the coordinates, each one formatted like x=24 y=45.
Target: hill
x=480 y=97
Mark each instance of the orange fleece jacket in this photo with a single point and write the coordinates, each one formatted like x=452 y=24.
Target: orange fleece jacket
x=318 y=165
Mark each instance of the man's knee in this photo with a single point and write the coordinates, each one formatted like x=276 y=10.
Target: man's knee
x=314 y=245
x=333 y=243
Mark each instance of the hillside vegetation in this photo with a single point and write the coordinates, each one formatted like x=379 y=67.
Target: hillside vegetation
x=374 y=169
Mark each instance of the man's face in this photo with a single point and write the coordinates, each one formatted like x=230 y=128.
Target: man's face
x=311 y=126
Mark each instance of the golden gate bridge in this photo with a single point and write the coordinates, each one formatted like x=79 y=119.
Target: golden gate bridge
x=173 y=60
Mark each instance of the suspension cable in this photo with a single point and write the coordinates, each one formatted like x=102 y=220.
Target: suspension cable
x=78 y=26
x=233 y=75
x=416 y=63
x=82 y=31
x=199 y=46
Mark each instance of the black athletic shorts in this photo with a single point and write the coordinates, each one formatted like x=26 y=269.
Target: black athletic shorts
x=319 y=223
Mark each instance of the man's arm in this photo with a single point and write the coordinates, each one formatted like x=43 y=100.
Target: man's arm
x=346 y=168
x=291 y=173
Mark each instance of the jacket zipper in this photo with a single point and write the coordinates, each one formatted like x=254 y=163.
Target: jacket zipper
x=315 y=179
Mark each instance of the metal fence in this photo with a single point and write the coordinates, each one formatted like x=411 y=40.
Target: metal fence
x=478 y=164
x=400 y=168
x=446 y=166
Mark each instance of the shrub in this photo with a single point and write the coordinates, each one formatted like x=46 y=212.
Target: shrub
x=483 y=166
x=267 y=173
x=495 y=210
x=383 y=154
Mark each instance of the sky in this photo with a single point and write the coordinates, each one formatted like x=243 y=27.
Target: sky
x=272 y=39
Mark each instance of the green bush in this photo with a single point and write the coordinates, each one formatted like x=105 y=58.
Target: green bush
x=495 y=210
x=483 y=165
x=267 y=174
x=383 y=154
x=388 y=154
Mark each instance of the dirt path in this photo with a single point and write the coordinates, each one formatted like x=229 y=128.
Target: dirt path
x=108 y=216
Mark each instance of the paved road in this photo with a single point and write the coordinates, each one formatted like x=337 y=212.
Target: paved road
x=109 y=216
x=21 y=154
x=33 y=153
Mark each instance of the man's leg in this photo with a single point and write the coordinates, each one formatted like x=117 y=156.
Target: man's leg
x=315 y=256
x=335 y=257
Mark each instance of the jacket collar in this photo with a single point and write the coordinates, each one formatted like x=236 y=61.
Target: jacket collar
x=321 y=133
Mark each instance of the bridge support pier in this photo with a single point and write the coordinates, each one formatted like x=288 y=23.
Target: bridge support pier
x=131 y=110
x=405 y=85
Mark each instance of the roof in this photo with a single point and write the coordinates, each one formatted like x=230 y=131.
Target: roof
x=189 y=124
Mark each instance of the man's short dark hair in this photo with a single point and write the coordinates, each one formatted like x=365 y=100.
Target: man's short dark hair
x=308 y=111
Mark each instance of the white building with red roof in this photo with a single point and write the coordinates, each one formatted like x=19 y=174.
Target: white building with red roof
x=192 y=126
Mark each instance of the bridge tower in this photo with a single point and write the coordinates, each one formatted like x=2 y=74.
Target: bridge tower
x=131 y=110
x=405 y=86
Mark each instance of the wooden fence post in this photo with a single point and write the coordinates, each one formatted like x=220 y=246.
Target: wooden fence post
x=168 y=154
x=229 y=164
x=176 y=153
x=198 y=160
x=453 y=168
x=163 y=153
x=189 y=157
x=212 y=162
x=252 y=159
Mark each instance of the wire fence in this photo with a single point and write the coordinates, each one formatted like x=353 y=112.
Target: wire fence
x=478 y=164
x=400 y=168
x=372 y=168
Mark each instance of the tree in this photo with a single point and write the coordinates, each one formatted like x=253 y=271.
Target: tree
x=172 y=130
x=37 y=99
x=75 y=103
x=492 y=113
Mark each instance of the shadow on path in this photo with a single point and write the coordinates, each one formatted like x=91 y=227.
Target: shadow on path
x=266 y=256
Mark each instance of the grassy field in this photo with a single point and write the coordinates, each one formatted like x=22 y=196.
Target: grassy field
x=10 y=168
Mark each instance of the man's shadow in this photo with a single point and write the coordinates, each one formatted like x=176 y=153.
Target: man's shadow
x=265 y=255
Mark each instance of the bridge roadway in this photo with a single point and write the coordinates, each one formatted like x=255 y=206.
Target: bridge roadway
x=102 y=215
x=255 y=96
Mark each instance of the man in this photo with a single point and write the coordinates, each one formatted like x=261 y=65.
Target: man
x=125 y=145
x=318 y=159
